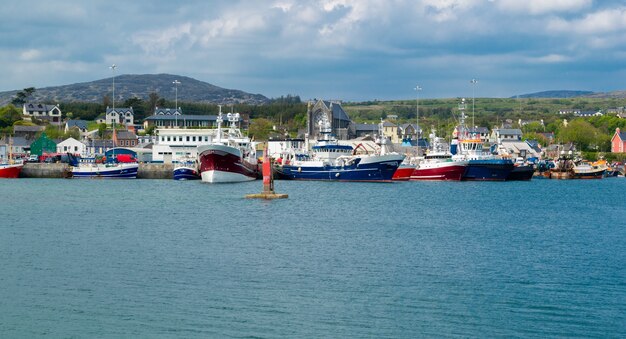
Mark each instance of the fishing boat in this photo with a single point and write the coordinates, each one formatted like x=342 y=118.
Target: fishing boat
x=231 y=157
x=438 y=163
x=563 y=167
x=186 y=169
x=330 y=161
x=481 y=166
x=123 y=167
x=586 y=170
x=11 y=168
x=405 y=170
x=522 y=171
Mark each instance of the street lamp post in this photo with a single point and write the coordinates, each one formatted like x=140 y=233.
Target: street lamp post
x=417 y=112
x=113 y=67
x=176 y=83
x=473 y=82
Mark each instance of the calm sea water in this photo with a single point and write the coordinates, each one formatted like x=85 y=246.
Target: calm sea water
x=152 y=258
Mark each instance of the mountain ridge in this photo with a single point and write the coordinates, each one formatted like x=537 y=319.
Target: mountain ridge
x=140 y=85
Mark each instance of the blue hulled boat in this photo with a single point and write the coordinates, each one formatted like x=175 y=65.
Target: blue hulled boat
x=186 y=169
x=333 y=162
x=481 y=165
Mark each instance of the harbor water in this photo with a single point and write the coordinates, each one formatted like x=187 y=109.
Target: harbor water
x=161 y=258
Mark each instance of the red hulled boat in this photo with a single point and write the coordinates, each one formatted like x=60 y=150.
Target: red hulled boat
x=10 y=170
x=438 y=164
x=231 y=158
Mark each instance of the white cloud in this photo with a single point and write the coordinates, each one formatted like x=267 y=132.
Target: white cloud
x=604 y=21
x=30 y=54
x=549 y=59
x=536 y=7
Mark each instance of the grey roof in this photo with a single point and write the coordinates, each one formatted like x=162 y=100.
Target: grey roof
x=37 y=107
x=16 y=141
x=338 y=112
x=82 y=124
x=622 y=135
x=366 y=127
x=509 y=131
x=126 y=135
x=406 y=125
x=21 y=128
x=167 y=111
x=389 y=124
x=120 y=110
x=183 y=117
x=101 y=143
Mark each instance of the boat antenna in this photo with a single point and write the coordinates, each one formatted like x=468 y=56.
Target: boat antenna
x=219 y=124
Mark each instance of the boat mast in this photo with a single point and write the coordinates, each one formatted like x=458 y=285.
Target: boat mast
x=219 y=125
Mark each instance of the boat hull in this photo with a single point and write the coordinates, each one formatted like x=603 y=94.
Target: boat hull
x=186 y=173
x=10 y=171
x=521 y=173
x=588 y=175
x=119 y=171
x=224 y=164
x=374 y=168
x=439 y=171
x=403 y=172
x=488 y=170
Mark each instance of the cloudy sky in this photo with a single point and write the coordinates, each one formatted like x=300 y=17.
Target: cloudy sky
x=336 y=49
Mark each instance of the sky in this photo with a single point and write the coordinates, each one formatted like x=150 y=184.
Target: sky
x=352 y=50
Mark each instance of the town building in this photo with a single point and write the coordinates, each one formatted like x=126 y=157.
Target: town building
x=17 y=146
x=80 y=125
x=499 y=135
x=172 y=144
x=119 y=116
x=362 y=130
x=43 y=145
x=180 y=121
x=124 y=138
x=275 y=147
x=71 y=145
x=334 y=112
x=618 y=141
x=36 y=111
x=390 y=131
x=98 y=147
x=27 y=132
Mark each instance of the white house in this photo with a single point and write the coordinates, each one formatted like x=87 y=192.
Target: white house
x=119 y=116
x=50 y=113
x=73 y=146
x=499 y=135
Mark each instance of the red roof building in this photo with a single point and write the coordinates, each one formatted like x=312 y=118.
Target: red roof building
x=618 y=142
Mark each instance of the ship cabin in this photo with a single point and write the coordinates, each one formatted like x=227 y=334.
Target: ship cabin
x=472 y=147
x=331 y=151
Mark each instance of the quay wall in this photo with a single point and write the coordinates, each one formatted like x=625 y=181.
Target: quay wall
x=44 y=170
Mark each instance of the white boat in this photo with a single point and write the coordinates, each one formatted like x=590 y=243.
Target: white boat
x=231 y=157
x=120 y=170
x=186 y=169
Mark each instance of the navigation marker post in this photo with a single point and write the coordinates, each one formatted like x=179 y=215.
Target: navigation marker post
x=268 y=181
